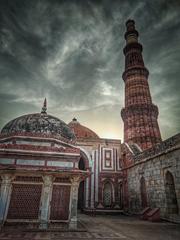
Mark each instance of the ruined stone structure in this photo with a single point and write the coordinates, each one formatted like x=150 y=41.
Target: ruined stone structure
x=49 y=169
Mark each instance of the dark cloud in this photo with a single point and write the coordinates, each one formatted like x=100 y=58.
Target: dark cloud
x=71 y=53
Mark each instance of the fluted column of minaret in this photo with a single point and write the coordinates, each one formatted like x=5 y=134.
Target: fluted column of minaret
x=140 y=114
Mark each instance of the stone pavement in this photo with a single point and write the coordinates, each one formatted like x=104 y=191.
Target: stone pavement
x=103 y=227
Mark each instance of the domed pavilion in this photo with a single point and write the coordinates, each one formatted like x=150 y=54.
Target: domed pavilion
x=39 y=169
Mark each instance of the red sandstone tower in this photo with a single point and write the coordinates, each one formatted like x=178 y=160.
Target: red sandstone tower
x=140 y=114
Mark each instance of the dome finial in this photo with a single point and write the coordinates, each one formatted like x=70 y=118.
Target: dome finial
x=44 y=108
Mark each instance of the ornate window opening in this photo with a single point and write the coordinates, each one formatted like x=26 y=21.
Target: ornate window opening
x=108 y=158
x=28 y=179
x=107 y=194
x=25 y=201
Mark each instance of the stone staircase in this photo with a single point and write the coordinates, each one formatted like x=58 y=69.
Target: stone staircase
x=173 y=218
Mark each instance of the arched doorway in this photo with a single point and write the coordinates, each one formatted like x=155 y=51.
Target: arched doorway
x=81 y=186
x=172 y=205
x=107 y=194
x=143 y=193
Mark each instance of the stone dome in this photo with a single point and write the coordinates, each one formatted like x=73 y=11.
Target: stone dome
x=81 y=131
x=40 y=123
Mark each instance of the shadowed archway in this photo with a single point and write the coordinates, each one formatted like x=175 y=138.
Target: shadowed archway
x=171 y=198
x=143 y=193
x=81 y=191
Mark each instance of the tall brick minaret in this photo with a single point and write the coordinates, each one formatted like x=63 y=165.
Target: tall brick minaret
x=140 y=114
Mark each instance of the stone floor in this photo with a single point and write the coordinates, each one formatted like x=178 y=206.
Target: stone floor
x=102 y=227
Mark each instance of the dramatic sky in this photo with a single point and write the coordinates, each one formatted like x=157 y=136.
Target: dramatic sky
x=71 y=53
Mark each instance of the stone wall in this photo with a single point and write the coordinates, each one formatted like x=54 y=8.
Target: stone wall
x=155 y=169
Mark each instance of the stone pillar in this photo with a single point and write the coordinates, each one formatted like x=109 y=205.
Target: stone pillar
x=6 y=185
x=87 y=193
x=74 y=200
x=45 y=201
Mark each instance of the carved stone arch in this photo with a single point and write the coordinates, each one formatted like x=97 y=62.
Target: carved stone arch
x=85 y=158
x=84 y=165
x=171 y=198
x=143 y=192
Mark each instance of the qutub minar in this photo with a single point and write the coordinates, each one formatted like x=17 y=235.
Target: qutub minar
x=140 y=114
x=49 y=169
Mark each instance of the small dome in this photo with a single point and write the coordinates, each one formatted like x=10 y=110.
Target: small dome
x=39 y=123
x=81 y=131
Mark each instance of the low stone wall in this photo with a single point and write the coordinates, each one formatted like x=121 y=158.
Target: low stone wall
x=153 y=169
